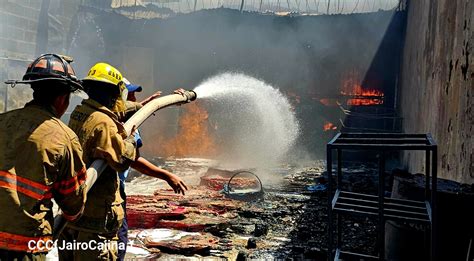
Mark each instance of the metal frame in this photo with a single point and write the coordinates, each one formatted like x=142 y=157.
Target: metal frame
x=386 y=117
x=344 y=202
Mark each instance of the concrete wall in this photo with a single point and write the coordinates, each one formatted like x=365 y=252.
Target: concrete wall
x=19 y=20
x=18 y=40
x=18 y=26
x=437 y=83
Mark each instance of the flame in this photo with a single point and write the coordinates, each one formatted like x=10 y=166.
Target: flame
x=357 y=90
x=351 y=87
x=193 y=137
x=329 y=126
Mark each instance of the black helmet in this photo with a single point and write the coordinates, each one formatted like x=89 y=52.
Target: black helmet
x=51 y=67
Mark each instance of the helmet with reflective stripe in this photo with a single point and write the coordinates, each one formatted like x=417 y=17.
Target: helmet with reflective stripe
x=52 y=67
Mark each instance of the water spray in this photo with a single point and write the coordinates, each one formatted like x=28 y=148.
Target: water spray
x=257 y=124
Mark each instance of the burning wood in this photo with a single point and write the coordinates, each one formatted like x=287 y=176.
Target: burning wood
x=360 y=96
x=354 y=93
x=358 y=90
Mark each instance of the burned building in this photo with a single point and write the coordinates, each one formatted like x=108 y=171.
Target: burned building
x=399 y=67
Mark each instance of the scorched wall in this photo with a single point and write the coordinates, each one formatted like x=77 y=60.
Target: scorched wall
x=437 y=83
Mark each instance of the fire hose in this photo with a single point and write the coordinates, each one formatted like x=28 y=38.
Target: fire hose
x=99 y=165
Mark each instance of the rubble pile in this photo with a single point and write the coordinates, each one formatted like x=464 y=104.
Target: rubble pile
x=290 y=221
x=175 y=241
x=199 y=209
x=218 y=179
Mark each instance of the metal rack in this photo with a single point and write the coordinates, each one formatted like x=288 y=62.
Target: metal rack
x=369 y=119
x=349 y=203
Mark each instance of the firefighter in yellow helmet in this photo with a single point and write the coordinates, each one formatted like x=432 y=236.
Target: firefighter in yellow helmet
x=102 y=136
x=40 y=160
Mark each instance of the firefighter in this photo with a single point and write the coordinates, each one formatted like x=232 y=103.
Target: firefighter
x=102 y=137
x=40 y=160
x=141 y=164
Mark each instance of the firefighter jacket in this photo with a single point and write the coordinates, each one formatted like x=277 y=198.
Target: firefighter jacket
x=102 y=136
x=40 y=159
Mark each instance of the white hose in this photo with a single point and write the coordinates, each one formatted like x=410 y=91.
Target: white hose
x=99 y=165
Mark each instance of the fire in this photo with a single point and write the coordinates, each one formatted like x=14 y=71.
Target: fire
x=329 y=126
x=193 y=137
x=361 y=96
x=357 y=90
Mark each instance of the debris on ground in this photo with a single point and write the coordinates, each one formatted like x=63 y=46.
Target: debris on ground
x=290 y=220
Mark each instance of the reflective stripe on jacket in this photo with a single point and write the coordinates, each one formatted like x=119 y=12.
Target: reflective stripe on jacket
x=25 y=186
x=40 y=159
x=23 y=244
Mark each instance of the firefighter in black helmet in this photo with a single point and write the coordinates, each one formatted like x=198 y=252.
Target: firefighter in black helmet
x=40 y=160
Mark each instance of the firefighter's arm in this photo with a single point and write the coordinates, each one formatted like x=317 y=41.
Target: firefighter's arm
x=149 y=99
x=69 y=189
x=132 y=107
x=118 y=152
x=144 y=166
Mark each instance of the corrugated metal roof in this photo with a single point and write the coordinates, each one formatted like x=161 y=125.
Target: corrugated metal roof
x=149 y=11
x=126 y=3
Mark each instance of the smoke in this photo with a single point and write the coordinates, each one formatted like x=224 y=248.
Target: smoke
x=305 y=55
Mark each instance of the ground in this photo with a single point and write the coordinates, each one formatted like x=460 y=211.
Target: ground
x=289 y=222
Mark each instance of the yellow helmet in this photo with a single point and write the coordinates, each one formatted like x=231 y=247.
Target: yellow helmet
x=106 y=73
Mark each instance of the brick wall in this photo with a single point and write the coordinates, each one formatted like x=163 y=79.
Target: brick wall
x=19 y=21
x=18 y=35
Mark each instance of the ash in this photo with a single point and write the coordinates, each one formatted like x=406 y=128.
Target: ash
x=289 y=222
